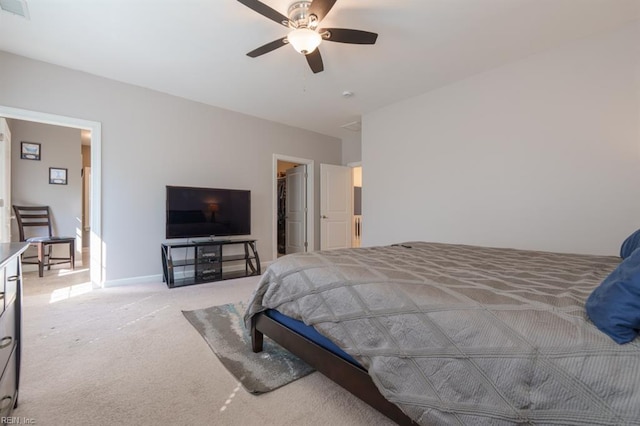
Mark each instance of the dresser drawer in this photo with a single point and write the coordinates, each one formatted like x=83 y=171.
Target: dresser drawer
x=2 y=282
x=10 y=281
x=8 y=387
x=7 y=333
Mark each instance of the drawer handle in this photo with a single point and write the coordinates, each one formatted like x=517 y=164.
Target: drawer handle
x=3 y=403
x=12 y=278
x=5 y=341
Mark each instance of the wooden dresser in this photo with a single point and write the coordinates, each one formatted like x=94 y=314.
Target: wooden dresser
x=10 y=324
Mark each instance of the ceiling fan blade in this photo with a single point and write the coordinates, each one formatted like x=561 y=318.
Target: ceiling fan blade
x=267 y=47
x=320 y=8
x=314 y=59
x=265 y=10
x=342 y=35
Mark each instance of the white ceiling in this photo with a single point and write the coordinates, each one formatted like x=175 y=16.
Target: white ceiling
x=197 y=49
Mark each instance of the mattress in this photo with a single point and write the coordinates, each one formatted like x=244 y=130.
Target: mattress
x=456 y=334
x=311 y=334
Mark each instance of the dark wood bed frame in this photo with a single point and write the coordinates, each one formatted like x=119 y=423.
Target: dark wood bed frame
x=351 y=377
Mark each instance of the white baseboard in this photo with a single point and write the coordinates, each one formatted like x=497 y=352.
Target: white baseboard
x=134 y=280
x=158 y=277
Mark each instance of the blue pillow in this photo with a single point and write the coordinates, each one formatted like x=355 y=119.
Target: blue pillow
x=614 y=306
x=630 y=244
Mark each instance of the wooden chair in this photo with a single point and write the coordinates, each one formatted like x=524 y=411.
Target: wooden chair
x=40 y=217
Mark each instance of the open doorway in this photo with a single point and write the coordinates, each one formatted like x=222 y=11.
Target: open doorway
x=356 y=236
x=66 y=151
x=293 y=205
x=94 y=220
x=291 y=208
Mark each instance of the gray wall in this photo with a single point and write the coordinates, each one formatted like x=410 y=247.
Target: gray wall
x=352 y=148
x=540 y=154
x=149 y=140
x=60 y=147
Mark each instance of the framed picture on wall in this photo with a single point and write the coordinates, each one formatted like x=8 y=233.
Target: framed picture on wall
x=29 y=151
x=57 y=176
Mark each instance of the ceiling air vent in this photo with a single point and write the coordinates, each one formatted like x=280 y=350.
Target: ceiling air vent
x=17 y=7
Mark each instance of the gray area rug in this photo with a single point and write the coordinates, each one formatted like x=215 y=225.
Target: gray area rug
x=223 y=329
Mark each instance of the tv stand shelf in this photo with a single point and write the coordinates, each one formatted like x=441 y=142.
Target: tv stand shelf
x=204 y=261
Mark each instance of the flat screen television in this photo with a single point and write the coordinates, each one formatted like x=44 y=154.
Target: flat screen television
x=207 y=212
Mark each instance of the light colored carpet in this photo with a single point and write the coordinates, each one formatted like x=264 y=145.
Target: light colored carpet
x=126 y=356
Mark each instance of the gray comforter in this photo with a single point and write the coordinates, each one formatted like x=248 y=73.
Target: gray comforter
x=458 y=334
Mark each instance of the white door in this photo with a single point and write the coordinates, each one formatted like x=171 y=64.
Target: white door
x=295 y=221
x=336 y=206
x=5 y=182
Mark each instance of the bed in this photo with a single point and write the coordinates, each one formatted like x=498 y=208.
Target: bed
x=432 y=333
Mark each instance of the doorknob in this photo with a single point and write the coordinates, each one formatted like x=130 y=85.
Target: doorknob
x=324 y=217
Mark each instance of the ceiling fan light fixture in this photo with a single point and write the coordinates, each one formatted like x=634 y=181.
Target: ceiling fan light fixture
x=304 y=40
x=304 y=33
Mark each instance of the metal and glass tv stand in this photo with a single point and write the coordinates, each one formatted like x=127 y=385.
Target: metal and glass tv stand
x=202 y=261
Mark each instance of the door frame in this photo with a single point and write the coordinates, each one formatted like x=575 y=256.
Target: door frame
x=310 y=201
x=353 y=165
x=95 y=240
x=5 y=181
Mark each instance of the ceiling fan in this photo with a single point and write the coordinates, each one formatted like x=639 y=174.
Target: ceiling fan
x=305 y=36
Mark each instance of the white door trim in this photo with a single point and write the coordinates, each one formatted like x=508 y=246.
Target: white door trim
x=310 y=201
x=97 y=273
x=5 y=181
